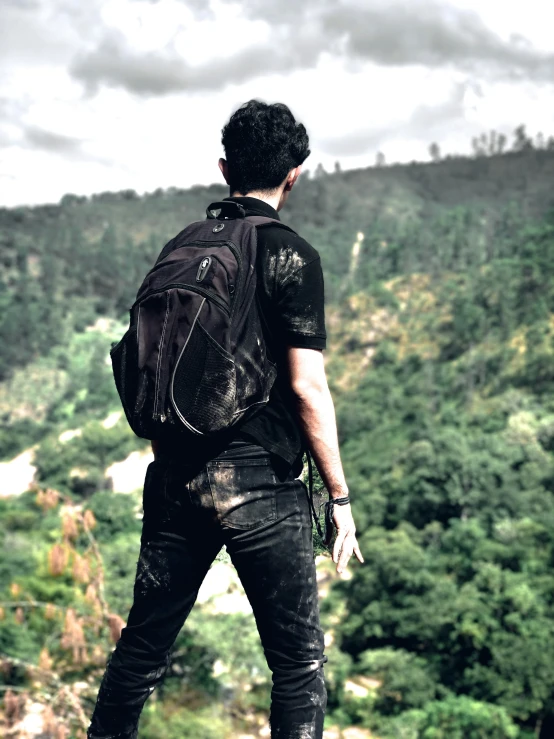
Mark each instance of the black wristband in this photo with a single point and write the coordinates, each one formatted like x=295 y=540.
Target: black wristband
x=340 y=501
x=329 y=524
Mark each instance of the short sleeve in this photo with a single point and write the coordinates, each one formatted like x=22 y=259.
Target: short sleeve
x=299 y=301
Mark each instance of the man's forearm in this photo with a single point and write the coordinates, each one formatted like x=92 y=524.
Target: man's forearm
x=316 y=412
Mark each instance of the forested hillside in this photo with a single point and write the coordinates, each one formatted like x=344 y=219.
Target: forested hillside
x=440 y=313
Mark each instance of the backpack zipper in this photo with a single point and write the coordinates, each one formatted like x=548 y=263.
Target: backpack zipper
x=206 y=244
x=158 y=364
x=238 y=257
x=193 y=288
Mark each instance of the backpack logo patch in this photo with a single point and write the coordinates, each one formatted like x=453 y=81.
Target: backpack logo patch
x=203 y=268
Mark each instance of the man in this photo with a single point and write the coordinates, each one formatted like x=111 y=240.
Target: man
x=245 y=494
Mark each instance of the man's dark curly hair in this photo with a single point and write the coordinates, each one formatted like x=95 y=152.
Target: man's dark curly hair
x=262 y=144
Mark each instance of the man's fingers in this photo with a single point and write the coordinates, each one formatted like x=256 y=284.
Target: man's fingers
x=345 y=546
x=343 y=561
x=342 y=536
x=337 y=547
x=342 y=550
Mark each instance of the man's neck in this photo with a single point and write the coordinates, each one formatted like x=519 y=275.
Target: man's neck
x=273 y=199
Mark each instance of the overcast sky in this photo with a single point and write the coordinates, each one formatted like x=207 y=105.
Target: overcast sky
x=109 y=94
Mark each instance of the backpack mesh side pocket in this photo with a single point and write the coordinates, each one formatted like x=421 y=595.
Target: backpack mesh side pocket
x=203 y=389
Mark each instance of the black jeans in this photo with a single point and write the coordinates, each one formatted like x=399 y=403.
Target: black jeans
x=239 y=500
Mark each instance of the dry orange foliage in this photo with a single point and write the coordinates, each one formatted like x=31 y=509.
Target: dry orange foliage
x=47 y=499
x=70 y=529
x=73 y=637
x=81 y=569
x=45 y=661
x=58 y=558
x=89 y=521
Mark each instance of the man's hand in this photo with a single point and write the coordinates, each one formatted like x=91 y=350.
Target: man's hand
x=345 y=542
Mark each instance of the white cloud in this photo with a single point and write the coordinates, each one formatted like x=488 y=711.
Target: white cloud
x=114 y=94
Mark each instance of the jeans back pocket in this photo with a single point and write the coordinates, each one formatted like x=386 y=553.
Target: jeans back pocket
x=243 y=492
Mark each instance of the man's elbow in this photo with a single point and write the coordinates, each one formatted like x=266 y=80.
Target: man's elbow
x=309 y=390
x=307 y=374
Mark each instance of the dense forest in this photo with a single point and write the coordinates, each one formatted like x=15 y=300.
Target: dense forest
x=440 y=313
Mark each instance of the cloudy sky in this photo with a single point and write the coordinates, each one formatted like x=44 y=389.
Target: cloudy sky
x=109 y=94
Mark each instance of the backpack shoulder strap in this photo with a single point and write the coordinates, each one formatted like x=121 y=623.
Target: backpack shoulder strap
x=266 y=221
x=258 y=222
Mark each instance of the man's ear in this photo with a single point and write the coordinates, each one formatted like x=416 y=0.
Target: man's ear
x=293 y=175
x=224 y=169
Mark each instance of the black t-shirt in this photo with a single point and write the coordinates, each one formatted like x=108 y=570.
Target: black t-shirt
x=291 y=290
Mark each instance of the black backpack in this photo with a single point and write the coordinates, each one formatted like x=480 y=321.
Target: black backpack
x=194 y=359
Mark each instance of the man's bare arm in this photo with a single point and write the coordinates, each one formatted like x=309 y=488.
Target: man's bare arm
x=316 y=412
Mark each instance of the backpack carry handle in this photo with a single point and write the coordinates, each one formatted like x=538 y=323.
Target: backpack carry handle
x=225 y=210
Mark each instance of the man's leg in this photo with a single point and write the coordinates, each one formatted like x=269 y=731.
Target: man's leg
x=178 y=545
x=268 y=532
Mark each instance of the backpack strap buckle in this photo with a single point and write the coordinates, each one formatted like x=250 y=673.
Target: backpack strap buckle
x=225 y=210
